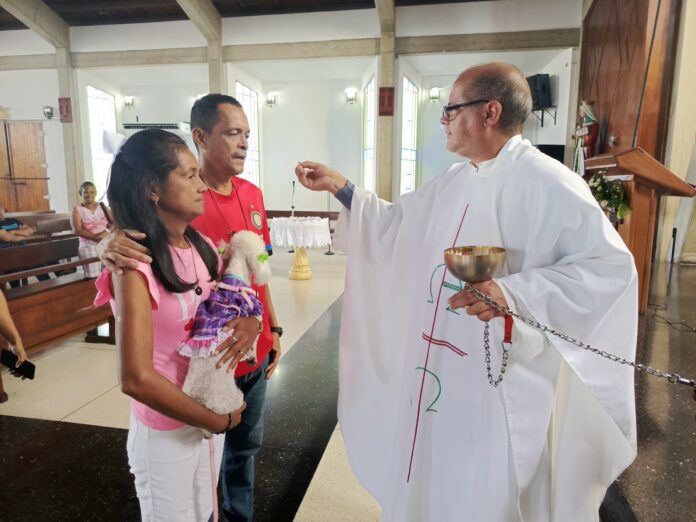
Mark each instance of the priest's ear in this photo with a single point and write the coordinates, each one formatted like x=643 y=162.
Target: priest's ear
x=491 y=113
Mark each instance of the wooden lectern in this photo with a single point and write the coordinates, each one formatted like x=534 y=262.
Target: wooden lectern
x=646 y=179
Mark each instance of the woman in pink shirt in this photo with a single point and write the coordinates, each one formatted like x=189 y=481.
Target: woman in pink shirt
x=91 y=221
x=155 y=187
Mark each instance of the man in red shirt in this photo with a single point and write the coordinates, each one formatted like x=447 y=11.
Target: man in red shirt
x=220 y=130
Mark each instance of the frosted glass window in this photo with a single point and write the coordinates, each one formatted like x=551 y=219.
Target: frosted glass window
x=409 y=109
x=250 y=100
x=101 y=108
x=369 y=136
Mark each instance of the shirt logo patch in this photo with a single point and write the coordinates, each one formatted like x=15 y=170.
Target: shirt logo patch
x=257 y=219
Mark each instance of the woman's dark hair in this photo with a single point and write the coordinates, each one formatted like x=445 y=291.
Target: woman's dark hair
x=87 y=184
x=143 y=164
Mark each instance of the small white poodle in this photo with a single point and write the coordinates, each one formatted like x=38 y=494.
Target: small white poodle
x=232 y=297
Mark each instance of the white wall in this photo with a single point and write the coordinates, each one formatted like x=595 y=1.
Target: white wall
x=432 y=145
x=124 y=37
x=23 y=41
x=559 y=71
x=485 y=17
x=301 y=27
x=161 y=103
x=25 y=93
x=310 y=121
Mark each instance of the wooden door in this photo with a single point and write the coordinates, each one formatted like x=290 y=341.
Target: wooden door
x=28 y=166
x=7 y=192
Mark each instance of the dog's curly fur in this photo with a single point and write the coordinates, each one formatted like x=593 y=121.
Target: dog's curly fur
x=215 y=388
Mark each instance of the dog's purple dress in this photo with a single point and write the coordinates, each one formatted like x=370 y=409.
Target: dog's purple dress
x=230 y=299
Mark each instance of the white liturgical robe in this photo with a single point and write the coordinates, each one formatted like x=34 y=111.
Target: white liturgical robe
x=425 y=432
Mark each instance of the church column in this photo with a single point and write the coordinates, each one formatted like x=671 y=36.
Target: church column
x=385 y=99
x=72 y=136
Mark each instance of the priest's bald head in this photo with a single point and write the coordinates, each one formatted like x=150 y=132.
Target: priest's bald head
x=488 y=104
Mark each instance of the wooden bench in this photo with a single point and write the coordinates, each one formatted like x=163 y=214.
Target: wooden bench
x=47 y=224
x=57 y=308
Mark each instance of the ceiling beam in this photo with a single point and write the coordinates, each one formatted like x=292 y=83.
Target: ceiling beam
x=143 y=57
x=510 y=41
x=27 y=62
x=41 y=19
x=301 y=50
x=205 y=17
x=387 y=17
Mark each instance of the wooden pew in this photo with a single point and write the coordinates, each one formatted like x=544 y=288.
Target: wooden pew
x=57 y=308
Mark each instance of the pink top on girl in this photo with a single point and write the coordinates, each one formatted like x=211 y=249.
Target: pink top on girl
x=94 y=222
x=172 y=319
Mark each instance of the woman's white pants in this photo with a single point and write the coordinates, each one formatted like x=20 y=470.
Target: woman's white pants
x=174 y=479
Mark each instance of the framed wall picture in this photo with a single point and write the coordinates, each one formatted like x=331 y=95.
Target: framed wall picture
x=65 y=107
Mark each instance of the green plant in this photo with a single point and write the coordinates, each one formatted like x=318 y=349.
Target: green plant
x=611 y=196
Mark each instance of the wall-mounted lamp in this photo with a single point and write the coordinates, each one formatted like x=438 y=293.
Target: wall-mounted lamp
x=129 y=102
x=270 y=99
x=351 y=94
x=48 y=111
x=434 y=95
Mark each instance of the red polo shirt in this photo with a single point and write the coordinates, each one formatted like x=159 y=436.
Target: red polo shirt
x=241 y=210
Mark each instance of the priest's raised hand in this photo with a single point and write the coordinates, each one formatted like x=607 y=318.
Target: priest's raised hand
x=319 y=177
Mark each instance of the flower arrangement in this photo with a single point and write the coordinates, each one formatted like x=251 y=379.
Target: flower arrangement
x=611 y=196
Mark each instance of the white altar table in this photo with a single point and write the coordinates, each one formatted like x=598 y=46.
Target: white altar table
x=300 y=233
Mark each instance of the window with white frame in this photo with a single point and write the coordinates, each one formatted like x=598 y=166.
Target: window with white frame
x=368 y=155
x=101 y=108
x=249 y=100
x=409 y=109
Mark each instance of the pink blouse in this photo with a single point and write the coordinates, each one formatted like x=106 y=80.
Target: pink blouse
x=172 y=317
x=94 y=222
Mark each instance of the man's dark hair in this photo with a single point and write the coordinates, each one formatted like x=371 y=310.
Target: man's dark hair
x=204 y=113
x=144 y=162
x=509 y=89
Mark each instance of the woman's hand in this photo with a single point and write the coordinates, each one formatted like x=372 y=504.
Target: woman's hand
x=19 y=351
x=222 y=422
x=244 y=332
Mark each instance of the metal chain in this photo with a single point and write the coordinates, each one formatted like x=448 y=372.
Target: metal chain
x=673 y=378
x=487 y=348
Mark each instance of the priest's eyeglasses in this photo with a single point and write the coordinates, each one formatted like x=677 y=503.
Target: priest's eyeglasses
x=456 y=106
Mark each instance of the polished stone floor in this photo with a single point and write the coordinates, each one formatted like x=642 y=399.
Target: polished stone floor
x=661 y=483
x=62 y=436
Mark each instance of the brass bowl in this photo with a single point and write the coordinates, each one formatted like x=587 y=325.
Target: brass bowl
x=476 y=263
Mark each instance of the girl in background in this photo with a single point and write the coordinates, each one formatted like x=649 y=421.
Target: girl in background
x=91 y=221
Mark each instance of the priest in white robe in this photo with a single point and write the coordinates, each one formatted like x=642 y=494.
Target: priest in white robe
x=425 y=431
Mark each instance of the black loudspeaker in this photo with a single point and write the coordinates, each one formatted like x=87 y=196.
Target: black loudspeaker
x=541 y=91
x=557 y=152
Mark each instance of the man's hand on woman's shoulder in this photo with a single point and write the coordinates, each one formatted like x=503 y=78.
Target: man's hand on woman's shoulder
x=120 y=250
